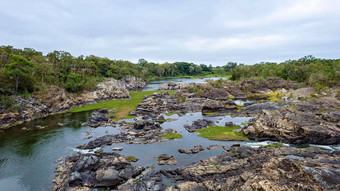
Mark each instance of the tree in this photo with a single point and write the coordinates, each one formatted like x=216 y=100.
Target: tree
x=74 y=82
x=17 y=67
x=160 y=70
x=191 y=69
x=229 y=66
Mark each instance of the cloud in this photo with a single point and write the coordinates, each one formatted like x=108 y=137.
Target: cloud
x=197 y=31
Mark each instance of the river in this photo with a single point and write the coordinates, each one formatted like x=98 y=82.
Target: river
x=28 y=158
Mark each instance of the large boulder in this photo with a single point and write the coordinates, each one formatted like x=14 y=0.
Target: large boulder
x=133 y=83
x=259 y=107
x=212 y=106
x=82 y=171
x=111 y=89
x=98 y=118
x=199 y=124
x=302 y=92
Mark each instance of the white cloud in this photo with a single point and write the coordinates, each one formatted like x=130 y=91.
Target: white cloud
x=171 y=30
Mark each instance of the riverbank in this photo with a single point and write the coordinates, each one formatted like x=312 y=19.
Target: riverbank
x=156 y=78
x=121 y=107
x=54 y=100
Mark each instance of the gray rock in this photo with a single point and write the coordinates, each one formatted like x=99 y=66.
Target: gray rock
x=108 y=177
x=199 y=124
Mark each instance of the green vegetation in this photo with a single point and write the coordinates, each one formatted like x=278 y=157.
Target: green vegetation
x=7 y=103
x=274 y=145
x=122 y=106
x=28 y=70
x=169 y=113
x=172 y=136
x=214 y=165
x=180 y=99
x=310 y=70
x=99 y=151
x=222 y=133
x=165 y=120
x=131 y=158
x=17 y=67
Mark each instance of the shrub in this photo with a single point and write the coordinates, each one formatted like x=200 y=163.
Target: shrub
x=131 y=158
x=7 y=102
x=180 y=99
x=74 y=82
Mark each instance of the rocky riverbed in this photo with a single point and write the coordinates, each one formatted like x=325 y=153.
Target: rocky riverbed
x=285 y=115
x=268 y=110
x=56 y=100
x=238 y=168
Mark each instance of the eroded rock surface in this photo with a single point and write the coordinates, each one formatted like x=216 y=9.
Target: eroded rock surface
x=165 y=159
x=139 y=132
x=277 y=169
x=311 y=121
x=83 y=171
x=199 y=124
x=99 y=118
x=57 y=100
x=196 y=149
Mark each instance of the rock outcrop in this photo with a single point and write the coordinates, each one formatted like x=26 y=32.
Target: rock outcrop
x=210 y=106
x=84 y=171
x=199 y=124
x=56 y=100
x=174 y=86
x=277 y=169
x=165 y=159
x=99 y=118
x=196 y=149
x=133 y=83
x=139 y=132
x=312 y=121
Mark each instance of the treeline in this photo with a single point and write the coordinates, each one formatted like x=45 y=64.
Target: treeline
x=28 y=70
x=309 y=70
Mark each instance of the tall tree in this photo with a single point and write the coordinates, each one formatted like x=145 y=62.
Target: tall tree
x=17 y=67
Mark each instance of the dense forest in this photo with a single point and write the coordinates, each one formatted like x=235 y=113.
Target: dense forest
x=28 y=70
x=312 y=71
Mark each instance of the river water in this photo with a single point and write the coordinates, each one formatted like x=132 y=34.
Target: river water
x=28 y=158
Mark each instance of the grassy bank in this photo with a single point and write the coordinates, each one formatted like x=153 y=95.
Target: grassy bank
x=172 y=136
x=222 y=133
x=122 y=107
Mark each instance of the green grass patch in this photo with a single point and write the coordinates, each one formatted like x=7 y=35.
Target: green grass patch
x=274 y=96
x=209 y=113
x=222 y=133
x=274 y=145
x=131 y=158
x=169 y=114
x=10 y=126
x=99 y=151
x=231 y=96
x=122 y=106
x=172 y=136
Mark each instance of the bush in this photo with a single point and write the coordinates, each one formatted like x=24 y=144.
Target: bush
x=180 y=98
x=74 y=83
x=7 y=102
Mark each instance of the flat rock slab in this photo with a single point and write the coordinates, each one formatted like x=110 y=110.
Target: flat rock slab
x=165 y=159
x=196 y=149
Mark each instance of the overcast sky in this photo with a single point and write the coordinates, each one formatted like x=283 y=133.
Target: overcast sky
x=200 y=31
